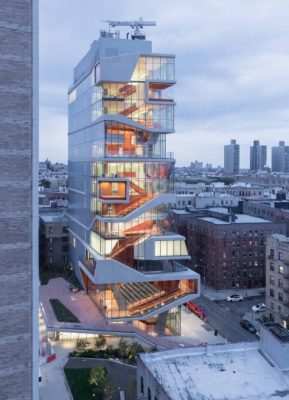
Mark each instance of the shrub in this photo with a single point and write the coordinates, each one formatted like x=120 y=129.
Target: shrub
x=98 y=377
x=123 y=348
x=100 y=342
x=81 y=345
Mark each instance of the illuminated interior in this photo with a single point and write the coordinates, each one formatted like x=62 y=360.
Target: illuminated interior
x=112 y=190
x=135 y=299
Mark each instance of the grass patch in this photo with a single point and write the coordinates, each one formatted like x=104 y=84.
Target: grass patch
x=61 y=312
x=77 y=379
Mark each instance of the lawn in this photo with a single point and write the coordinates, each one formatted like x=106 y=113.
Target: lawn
x=77 y=379
x=61 y=312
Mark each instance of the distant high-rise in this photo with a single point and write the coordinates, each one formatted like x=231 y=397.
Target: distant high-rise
x=232 y=158
x=258 y=156
x=280 y=158
x=19 y=200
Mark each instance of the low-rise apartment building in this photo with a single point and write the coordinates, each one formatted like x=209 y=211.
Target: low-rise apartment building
x=273 y=210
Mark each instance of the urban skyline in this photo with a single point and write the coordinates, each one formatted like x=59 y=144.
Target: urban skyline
x=234 y=63
x=120 y=242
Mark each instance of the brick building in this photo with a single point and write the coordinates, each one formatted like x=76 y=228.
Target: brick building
x=277 y=279
x=53 y=240
x=228 y=250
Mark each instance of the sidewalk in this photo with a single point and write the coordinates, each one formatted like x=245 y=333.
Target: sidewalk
x=213 y=294
x=196 y=332
x=53 y=384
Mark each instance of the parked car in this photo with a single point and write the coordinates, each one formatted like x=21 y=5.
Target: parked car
x=248 y=326
x=197 y=309
x=235 y=297
x=259 y=307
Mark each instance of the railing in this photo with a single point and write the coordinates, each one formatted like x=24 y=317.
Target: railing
x=162 y=300
x=149 y=305
x=142 y=152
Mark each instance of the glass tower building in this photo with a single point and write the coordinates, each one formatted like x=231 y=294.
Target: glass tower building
x=121 y=110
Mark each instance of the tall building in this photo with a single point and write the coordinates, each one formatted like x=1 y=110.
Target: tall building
x=19 y=200
x=120 y=181
x=280 y=158
x=232 y=158
x=258 y=156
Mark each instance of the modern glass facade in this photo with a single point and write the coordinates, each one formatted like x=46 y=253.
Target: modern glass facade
x=121 y=109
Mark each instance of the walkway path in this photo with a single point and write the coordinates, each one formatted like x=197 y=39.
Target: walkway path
x=53 y=385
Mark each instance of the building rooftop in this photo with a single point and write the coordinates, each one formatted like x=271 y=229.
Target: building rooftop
x=53 y=217
x=241 y=219
x=229 y=372
x=281 y=238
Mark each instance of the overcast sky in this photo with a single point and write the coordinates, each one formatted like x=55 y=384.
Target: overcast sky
x=232 y=69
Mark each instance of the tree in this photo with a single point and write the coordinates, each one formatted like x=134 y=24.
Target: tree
x=81 y=345
x=100 y=342
x=134 y=349
x=123 y=348
x=98 y=377
x=45 y=183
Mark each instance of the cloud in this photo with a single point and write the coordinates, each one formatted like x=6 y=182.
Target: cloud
x=232 y=68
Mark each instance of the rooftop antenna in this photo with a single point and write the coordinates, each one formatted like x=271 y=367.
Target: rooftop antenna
x=135 y=25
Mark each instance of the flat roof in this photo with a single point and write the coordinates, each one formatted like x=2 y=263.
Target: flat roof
x=179 y=211
x=280 y=237
x=229 y=372
x=241 y=219
x=53 y=217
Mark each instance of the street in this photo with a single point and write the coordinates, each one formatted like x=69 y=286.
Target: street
x=225 y=317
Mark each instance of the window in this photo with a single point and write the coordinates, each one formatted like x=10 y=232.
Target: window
x=141 y=385
x=149 y=394
x=271 y=255
x=280 y=297
x=280 y=283
x=50 y=230
x=280 y=255
x=271 y=292
x=170 y=248
x=281 y=269
x=272 y=280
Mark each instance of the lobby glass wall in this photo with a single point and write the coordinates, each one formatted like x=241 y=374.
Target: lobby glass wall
x=135 y=299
